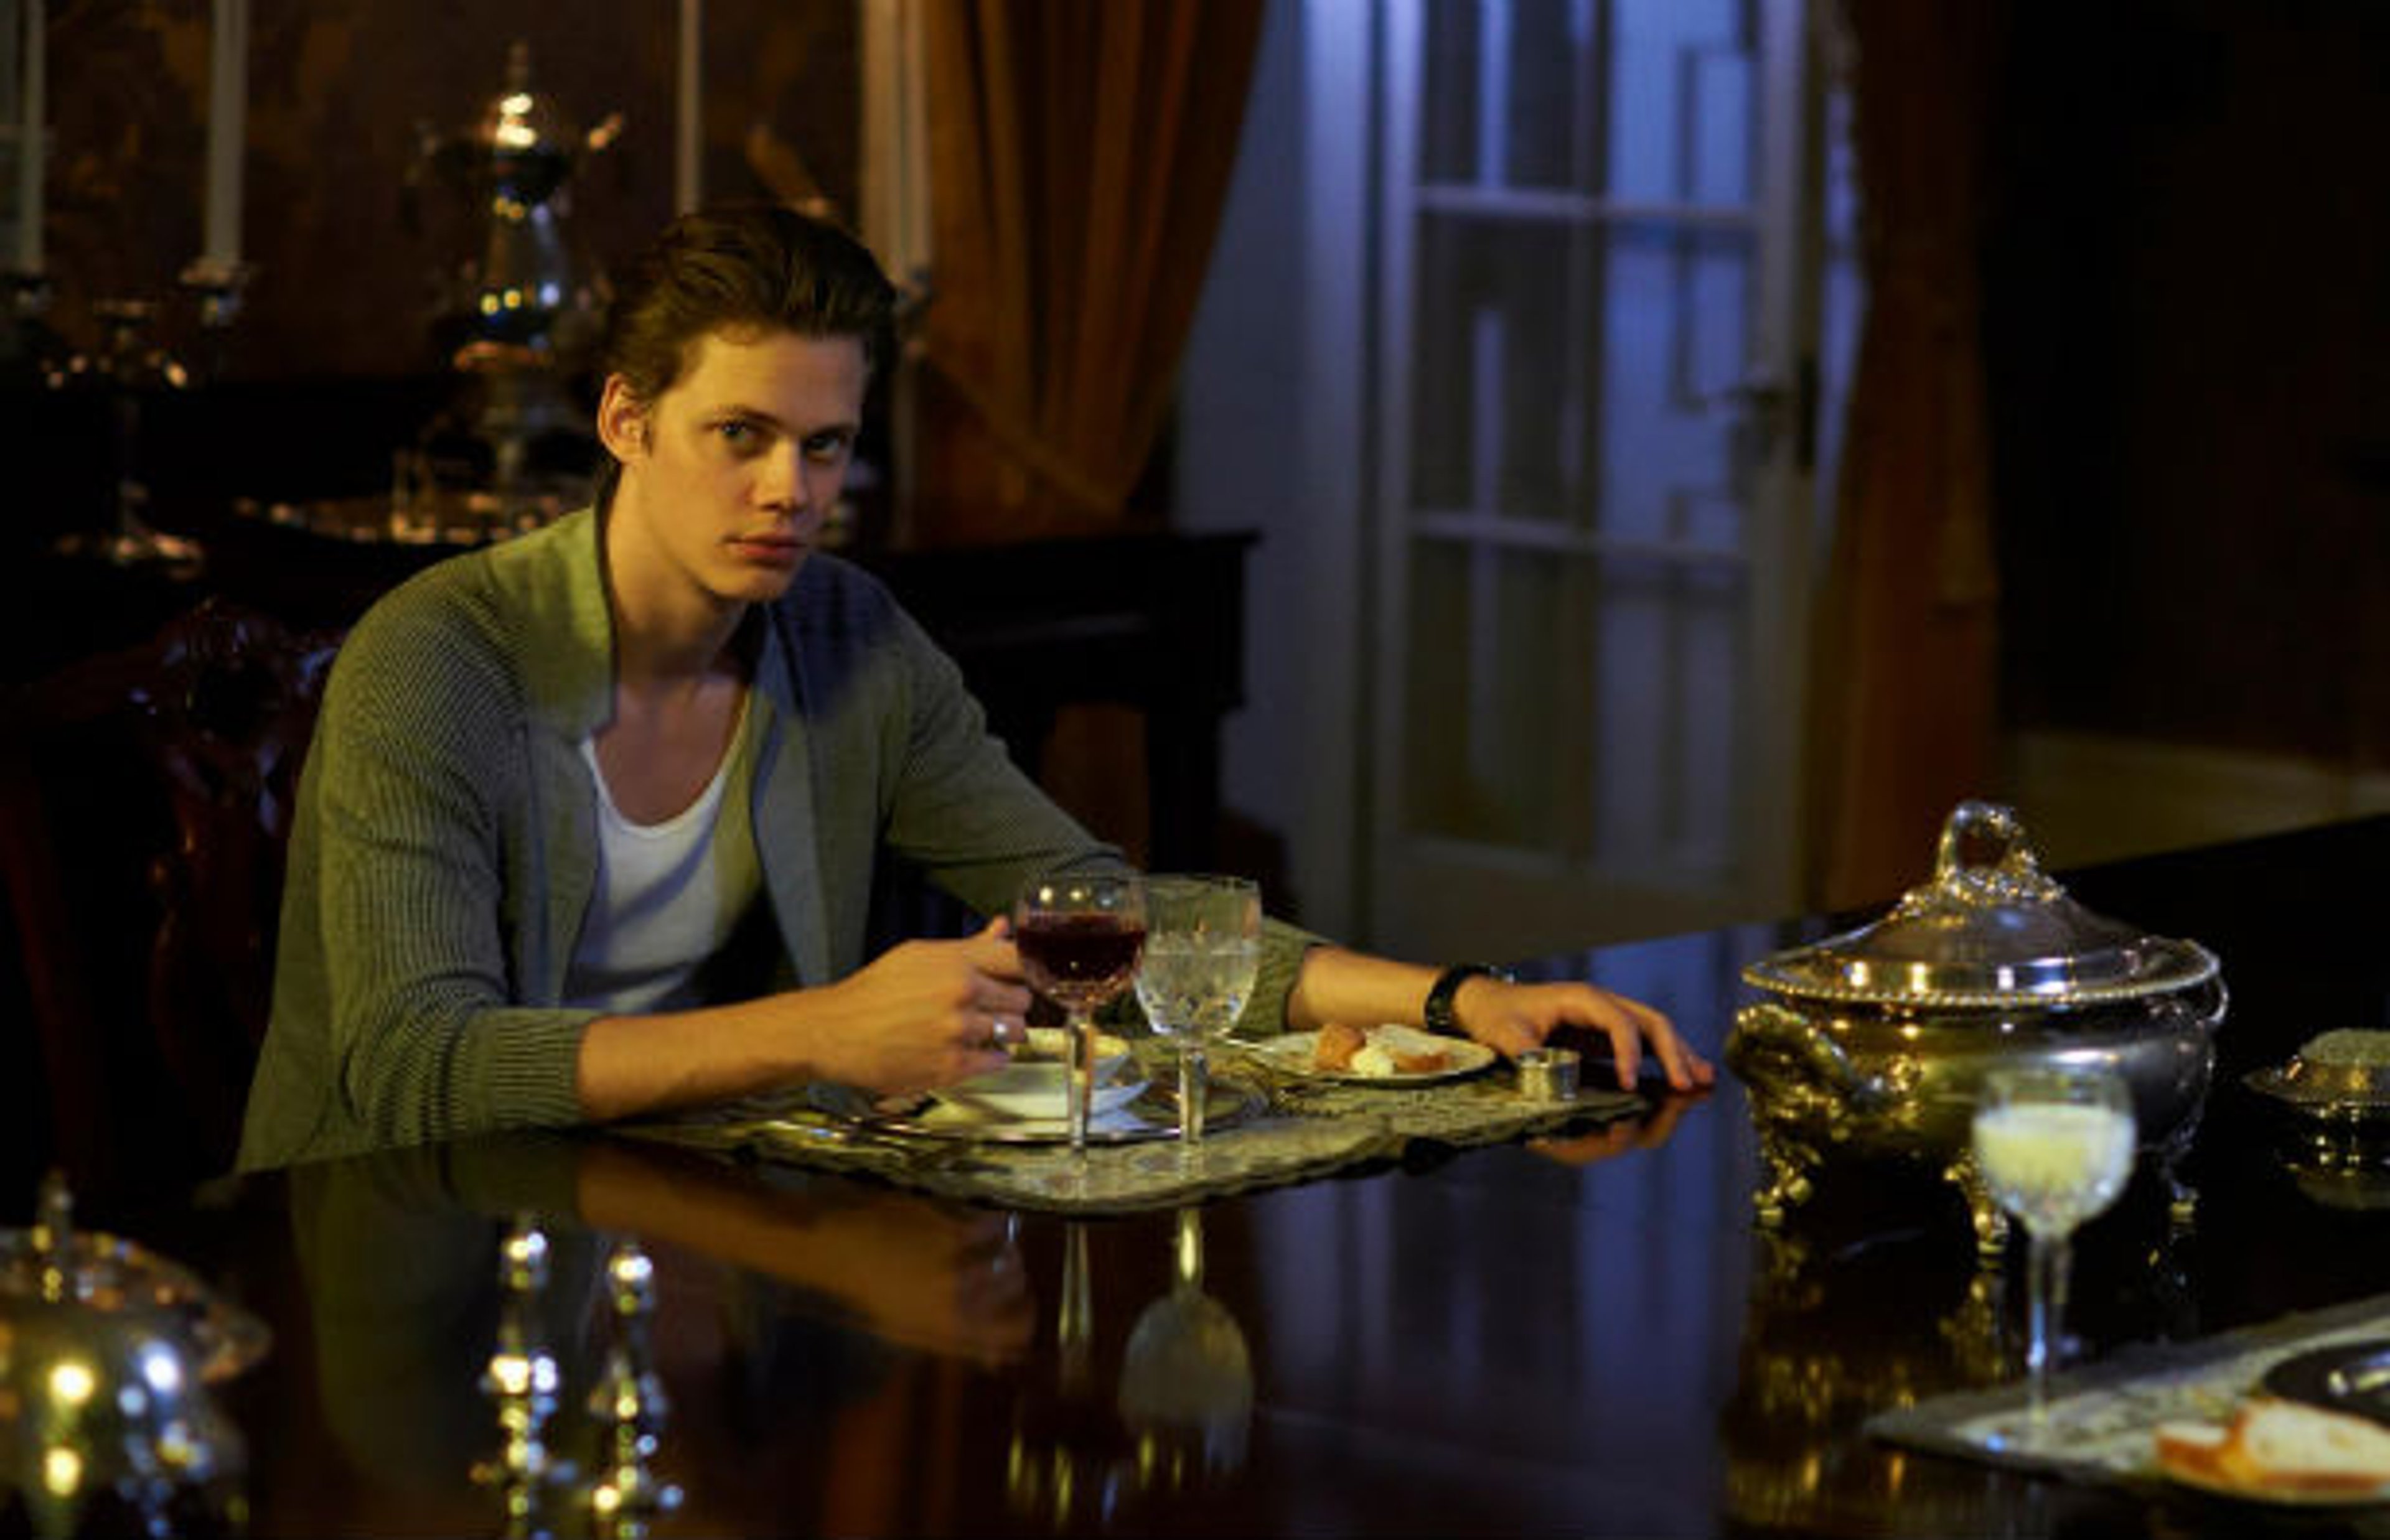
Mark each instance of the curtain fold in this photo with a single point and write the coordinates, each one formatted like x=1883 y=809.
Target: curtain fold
x=1905 y=684
x=1080 y=151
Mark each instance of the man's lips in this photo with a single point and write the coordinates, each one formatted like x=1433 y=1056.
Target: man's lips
x=769 y=547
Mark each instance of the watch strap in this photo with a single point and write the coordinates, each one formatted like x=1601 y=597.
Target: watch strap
x=1437 y=1014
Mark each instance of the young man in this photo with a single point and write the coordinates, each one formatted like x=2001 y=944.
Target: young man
x=588 y=826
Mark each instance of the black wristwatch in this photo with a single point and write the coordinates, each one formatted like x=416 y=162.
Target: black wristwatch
x=1436 y=1015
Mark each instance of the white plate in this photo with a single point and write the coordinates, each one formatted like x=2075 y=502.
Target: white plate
x=1052 y=1045
x=1032 y=1091
x=1292 y=1054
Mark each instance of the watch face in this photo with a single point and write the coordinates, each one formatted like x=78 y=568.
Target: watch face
x=1438 y=1015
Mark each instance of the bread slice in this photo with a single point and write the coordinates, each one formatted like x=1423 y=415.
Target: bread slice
x=2273 y=1447
x=1336 y=1043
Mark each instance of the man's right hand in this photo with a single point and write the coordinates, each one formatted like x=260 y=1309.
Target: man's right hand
x=927 y=1013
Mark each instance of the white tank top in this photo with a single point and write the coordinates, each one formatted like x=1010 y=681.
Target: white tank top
x=668 y=896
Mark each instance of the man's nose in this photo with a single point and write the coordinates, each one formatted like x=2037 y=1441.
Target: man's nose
x=782 y=481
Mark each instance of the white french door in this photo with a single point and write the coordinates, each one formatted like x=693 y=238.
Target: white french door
x=1596 y=334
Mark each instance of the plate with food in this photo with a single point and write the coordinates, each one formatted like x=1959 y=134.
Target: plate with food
x=1389 y=1054
x=2280 y=1452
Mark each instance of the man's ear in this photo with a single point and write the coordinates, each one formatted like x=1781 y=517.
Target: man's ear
x=623 y=424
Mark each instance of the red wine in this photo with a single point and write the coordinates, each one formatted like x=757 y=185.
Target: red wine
x=1079 y=959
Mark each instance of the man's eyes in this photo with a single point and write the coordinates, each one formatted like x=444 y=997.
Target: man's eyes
x=749 y=437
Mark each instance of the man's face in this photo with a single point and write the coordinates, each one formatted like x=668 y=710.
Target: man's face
x=728 y=476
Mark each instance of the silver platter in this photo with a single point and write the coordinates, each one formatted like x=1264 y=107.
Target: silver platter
x=2287 y=1090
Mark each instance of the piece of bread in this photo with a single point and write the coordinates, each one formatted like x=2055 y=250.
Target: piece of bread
x=2195 y=1451
x=1423 y=1063
x=1336 y=1043
x=2280 y=1448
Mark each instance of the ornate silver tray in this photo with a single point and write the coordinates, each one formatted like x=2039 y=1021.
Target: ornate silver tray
x=2321 y=1081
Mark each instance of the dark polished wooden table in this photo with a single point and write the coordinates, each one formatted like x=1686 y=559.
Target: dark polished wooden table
x=1579 y=1336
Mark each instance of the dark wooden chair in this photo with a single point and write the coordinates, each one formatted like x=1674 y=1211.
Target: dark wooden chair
x=144 y=806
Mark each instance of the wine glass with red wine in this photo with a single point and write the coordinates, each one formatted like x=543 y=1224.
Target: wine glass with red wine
x=1080 y=936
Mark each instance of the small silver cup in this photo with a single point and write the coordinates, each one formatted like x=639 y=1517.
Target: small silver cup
x=1548 y=1075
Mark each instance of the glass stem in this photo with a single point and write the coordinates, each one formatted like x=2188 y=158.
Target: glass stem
x=1192 y=1082
x=1187 y=1249
x=1082 y=1076
x=1075 y=1327
x=2046 y=1281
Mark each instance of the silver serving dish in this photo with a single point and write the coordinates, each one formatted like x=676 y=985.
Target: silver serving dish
x=2320 y=1082
x=1874 y=1043
x=2331 y=1123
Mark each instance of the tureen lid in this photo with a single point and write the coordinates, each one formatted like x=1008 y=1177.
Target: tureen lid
x=1996 y=933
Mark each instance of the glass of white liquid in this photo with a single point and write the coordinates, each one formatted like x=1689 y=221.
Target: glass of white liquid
x=2055 y=1145
x=1202 y=951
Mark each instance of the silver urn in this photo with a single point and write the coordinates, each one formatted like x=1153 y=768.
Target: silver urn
x=1873 y=1044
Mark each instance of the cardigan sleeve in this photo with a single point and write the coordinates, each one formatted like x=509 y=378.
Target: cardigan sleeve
x=957 y=805
x=980 y=827
x=396 y=1018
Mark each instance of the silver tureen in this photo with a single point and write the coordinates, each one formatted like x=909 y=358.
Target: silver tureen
x=1874 y=1043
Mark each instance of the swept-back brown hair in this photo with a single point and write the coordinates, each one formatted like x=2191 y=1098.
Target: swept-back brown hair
x=742 y=268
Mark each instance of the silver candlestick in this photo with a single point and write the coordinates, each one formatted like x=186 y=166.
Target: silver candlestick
x=626 y=1496
x=523 y=1379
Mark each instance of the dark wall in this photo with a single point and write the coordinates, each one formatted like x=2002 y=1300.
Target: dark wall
x=332 y=363
x=2188 y=318
x=338 y=89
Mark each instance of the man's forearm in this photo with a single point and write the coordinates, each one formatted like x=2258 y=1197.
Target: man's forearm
x=674 y=1061
x=1339 y=986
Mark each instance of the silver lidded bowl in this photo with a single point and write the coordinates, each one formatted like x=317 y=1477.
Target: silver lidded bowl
x=2342 y=1075
x=2331 y=1102
x=1874 y=1043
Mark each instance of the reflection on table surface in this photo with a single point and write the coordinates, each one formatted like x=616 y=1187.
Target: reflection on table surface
x=1578 y=1334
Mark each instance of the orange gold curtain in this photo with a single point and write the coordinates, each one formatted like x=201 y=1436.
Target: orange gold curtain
x=1904 y=692
x=1079 y=154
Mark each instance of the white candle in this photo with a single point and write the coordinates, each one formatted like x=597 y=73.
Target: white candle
x=32 y=91
x=227 y=112
x=687 y=143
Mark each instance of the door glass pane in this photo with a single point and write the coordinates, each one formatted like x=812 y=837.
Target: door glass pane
x=1453 y=68
x=1496 y=731
x=1510 y=385
x=1681 y=105
x=1498 y=388
x=1513 y=97
x=1574 y=708
x=1528 y=60
x=1669 y=671
x=1676 y=333
x=1542 y=118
